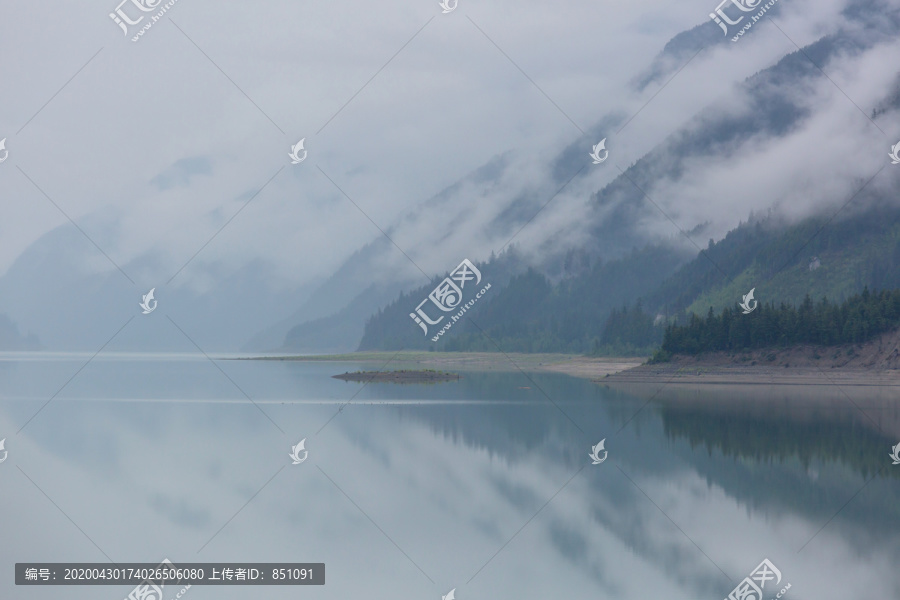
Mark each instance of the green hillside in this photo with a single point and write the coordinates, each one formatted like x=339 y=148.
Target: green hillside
x=622 y=306
x=852 y=254
x=525 y=311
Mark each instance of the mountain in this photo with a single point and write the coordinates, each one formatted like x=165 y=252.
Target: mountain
x=859 y=250
x=641 y=206
x=66 y=294
x=820 y=256
x=338 y=332
x=587 y=237
x=332 y=317
x=12 y=339
x=525 y=312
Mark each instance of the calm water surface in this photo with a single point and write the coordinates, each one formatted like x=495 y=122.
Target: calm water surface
x=483 y=485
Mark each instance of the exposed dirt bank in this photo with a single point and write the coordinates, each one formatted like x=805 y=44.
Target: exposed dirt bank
x=876 y=362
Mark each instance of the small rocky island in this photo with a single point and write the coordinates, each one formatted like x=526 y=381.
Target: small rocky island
x=422 y=376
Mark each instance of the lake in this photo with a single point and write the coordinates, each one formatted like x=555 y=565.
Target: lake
x=483 y=485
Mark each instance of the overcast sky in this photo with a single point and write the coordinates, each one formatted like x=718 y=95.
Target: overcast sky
x=151 y=147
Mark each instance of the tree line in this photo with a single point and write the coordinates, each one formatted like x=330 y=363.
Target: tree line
x=826 y=323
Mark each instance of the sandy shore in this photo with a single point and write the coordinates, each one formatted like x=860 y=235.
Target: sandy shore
x=593 y=368
x=570 y=364
x=621 y=371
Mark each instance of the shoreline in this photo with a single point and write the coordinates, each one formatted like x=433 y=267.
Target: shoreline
x=875 y=363
x=705 y=374
x=585 y=367
x=682 y=370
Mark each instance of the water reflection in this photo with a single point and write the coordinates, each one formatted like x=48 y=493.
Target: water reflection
x=483 y=484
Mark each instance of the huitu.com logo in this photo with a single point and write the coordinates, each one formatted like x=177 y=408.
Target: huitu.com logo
x=4 y=153
x=448 y=5
x=451 y=595
x=150 y=589
x=747 y=299
x=296 y=158
x=447 y=297
x=745 y=6
x=296 y=450
x=895 y=154
x=751 y=588
x=595 y=452
x=895 y=453
x=146 y=300
x=4 y=454
x=121 y=18
x=596 y=153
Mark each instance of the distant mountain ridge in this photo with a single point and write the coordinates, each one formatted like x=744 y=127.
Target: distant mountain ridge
x=612 y=229
x=614 y=216
x=12 y=339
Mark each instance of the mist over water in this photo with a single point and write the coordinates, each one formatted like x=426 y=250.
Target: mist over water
x=481 y=484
